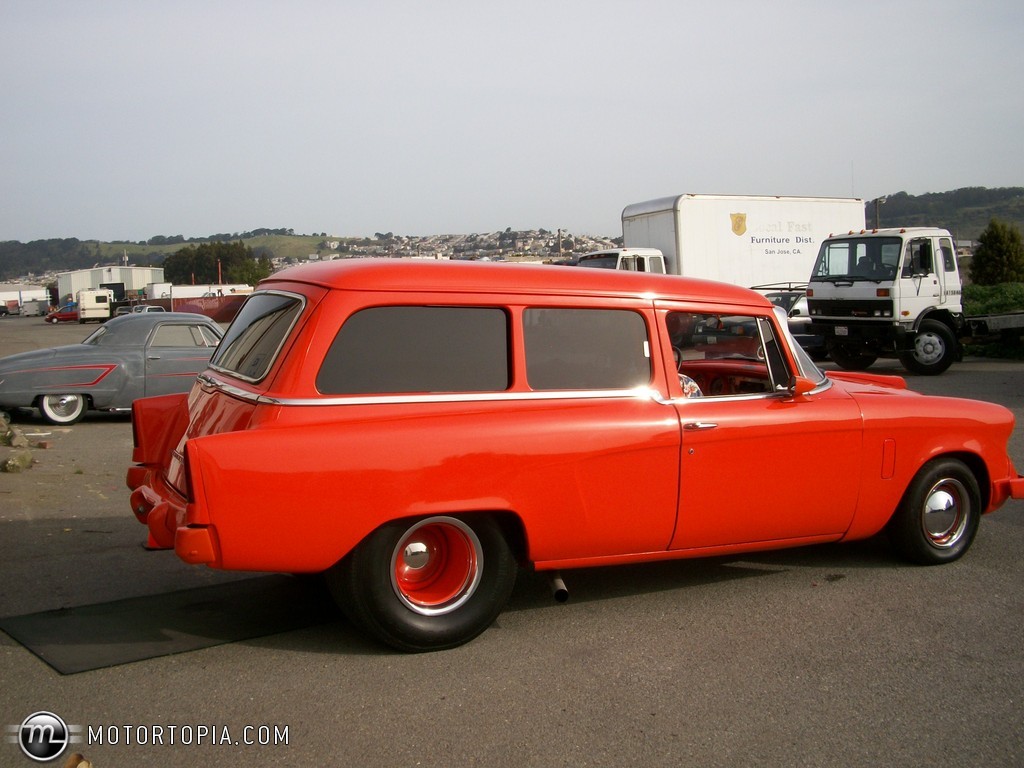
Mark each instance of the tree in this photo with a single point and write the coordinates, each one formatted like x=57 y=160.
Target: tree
x=999 y=257
x=215 y=262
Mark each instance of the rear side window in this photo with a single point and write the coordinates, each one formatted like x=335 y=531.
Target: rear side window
x=256 y=335
x=415 y=349
x=182 y=336
x=586 y=349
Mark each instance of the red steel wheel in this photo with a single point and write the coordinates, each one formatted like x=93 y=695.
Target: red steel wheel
x=436 y=566
x=427 y=584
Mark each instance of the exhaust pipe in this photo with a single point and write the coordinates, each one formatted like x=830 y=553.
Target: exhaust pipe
x=558 y=588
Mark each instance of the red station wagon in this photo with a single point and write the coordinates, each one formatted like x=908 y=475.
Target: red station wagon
x=419 y=430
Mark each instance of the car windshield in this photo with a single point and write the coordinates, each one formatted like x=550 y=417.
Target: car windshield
x=786 y=300
x=96 y=337
x=868 y=258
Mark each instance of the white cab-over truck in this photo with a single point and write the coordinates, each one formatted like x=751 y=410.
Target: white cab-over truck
x=895 y=292
x=741 y=239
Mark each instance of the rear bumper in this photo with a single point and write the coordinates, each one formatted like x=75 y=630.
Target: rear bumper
x=164 y=513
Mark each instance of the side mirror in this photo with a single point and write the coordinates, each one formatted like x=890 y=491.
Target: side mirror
x=801 y=385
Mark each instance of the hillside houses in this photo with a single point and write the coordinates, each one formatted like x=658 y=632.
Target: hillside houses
x=508 y=245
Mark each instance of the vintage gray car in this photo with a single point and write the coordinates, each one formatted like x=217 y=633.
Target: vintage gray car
x=126 y=358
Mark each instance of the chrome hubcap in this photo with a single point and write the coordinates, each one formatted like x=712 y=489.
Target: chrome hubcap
x=945 y=514
x=63 y=405
x=929 y=348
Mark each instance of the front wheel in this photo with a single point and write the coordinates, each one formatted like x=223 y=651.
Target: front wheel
x=428 y=584
x=938 y=517
x=934 y=349
x=62 y=409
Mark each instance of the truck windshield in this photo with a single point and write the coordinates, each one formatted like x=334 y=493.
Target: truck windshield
x=868 y=258
x=607 y=261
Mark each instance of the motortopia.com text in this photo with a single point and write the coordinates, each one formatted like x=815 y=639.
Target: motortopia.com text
x=186 y=735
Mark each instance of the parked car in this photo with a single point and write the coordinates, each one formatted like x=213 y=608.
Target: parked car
x=67 y=313
x=124 y=359
x=794 y=302
x=129 y=309
x=416 y=430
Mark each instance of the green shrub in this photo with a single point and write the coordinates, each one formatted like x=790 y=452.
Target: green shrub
x=989 y=300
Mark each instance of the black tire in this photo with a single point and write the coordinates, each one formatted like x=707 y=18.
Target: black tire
x=935 y=349
x=426 y=584
x=62 y=409
x=938 y=516
x=850 y=356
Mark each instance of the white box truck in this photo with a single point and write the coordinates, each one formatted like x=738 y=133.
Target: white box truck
x=741 y=239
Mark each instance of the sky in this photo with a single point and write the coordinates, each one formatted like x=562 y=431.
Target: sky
x=127 y=120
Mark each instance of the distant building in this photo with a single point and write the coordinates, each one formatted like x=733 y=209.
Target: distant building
x=123 y=281
x=21 y=294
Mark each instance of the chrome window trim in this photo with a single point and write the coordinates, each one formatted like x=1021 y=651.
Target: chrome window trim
x=646 y=393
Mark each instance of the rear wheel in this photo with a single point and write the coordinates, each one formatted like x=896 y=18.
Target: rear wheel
x=934 y=349
x=62 y=409
x=427 y=584
x=851 y=356
x=939 y=514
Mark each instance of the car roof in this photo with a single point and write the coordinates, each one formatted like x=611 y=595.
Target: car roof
x=133 y=327
x=496 y=277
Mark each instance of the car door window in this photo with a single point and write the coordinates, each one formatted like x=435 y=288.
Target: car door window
x=724 y=355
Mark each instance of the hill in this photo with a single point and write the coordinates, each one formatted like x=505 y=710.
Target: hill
x=964 y=212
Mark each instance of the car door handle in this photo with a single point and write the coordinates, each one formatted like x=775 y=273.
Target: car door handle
x=693 y=426
x=152 y=357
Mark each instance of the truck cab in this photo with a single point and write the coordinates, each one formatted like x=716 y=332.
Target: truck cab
x=630 y=259
x=888 y=292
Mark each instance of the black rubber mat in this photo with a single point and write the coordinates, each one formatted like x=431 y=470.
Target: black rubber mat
x=89 y=637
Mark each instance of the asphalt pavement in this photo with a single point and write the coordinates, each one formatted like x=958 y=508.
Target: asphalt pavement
x=838 y=655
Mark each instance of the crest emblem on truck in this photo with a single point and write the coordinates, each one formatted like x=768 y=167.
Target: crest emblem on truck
x=739 y=223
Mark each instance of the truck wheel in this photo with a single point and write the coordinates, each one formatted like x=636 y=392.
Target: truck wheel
x=850 y=357
x=934 y=349
x=428 y=584
x=938 y=517
x=62 y=409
